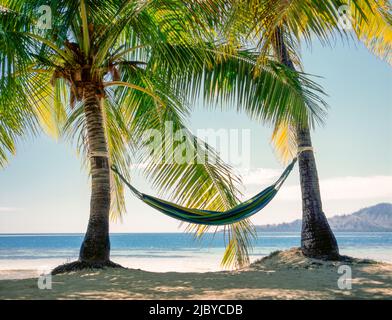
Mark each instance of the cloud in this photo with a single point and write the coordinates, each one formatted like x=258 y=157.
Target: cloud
x=347 y=188
x=337 y=188
x=9 y=209
x=258 y=176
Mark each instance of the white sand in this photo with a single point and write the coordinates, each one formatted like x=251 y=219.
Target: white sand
x=283 y=275
x=28 y=268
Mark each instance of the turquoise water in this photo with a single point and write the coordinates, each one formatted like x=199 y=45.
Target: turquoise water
x=170 y=251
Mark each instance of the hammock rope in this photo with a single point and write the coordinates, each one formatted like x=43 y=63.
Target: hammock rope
x=240 y=212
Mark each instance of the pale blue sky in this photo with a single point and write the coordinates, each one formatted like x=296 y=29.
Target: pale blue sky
x=44 y=188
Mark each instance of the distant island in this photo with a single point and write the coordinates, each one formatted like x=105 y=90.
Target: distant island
x=376 y=218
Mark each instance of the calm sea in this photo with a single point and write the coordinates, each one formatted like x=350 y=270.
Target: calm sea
x=168 y=251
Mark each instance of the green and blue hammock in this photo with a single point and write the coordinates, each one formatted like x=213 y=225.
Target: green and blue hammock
x=242 y=211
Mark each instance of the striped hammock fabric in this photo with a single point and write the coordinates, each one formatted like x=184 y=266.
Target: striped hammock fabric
x=242 y=211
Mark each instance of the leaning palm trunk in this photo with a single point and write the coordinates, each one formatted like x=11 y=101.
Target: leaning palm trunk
x=96 y=244
x=95 y=249
x=317 y=238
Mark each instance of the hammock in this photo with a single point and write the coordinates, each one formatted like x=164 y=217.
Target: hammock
x=242 y=211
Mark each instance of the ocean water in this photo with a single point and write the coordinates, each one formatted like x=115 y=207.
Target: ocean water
x=22 y=255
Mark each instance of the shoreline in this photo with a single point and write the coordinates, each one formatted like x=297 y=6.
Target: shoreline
x=191 y=263
x=281 y=275
x=25 y=257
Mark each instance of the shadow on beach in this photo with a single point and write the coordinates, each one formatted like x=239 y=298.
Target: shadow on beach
x=282 y=275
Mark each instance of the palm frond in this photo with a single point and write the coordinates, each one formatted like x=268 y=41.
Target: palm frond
x=372 y=24
x=284 y=141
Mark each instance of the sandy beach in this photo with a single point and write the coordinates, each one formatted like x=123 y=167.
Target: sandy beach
x=282 y=275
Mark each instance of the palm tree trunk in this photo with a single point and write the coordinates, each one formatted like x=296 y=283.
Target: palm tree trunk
x=95 y=249
x=96 y=244
x=317 y=238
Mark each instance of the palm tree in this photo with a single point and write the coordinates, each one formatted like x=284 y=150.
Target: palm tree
x=108 y=71
x=93 y=78
x=317 y=238
x=278 y=27
x=15 y=120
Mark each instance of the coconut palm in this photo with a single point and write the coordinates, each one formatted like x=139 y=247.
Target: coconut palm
x=91 y=77
x=277 y=28
x=15 y=123
x=105 y=72
x=15 y=120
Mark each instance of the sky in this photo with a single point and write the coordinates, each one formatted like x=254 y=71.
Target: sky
x=44 y=189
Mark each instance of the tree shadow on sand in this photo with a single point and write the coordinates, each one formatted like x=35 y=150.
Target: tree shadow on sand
x=283 y=275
